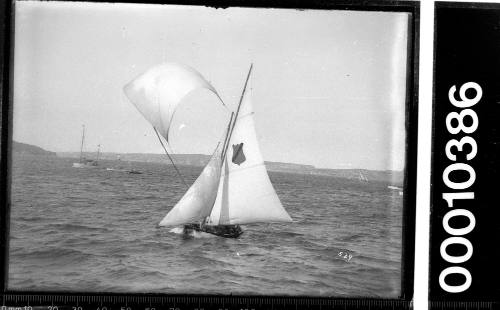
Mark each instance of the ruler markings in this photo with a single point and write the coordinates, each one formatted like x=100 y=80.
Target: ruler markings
x=141 y=302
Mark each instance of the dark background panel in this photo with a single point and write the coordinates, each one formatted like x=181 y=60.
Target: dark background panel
x=467 y=49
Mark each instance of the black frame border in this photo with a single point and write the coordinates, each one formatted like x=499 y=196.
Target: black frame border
x=409 y=198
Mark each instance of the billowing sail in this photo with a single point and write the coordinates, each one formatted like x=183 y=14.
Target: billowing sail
x=197 y=202
x=157 y=92
x=245 y=193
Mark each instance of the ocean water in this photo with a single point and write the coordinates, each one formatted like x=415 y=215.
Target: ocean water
x=95 y=230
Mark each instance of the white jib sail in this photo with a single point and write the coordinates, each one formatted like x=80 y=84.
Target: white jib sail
x=245 y=194
x=157 y=92
x=197 y=202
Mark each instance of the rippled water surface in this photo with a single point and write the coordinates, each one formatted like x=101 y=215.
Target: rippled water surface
x=94 y=229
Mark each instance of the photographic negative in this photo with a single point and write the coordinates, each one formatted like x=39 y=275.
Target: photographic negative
x=197 y=150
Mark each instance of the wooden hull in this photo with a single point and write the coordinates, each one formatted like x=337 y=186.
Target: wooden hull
x=226 y=231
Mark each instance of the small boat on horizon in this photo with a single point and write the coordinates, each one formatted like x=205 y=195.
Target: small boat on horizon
x=234 y=188
x=84 y=162
x=362 y=177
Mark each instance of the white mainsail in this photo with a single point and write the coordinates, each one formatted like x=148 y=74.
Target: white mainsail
x=245 y=194
x=197 y=202
x=157 y=92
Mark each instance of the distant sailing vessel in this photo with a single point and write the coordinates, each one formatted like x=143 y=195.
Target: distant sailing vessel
x=83 y=162
x=234 y=187
x=362 y=177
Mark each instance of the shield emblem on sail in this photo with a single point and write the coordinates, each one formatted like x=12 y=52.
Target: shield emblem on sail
x=238 y=155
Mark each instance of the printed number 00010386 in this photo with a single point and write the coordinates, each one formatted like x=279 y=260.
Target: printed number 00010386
x=459 y=185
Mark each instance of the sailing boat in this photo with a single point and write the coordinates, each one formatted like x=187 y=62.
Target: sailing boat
x=234 y=187
x=362 y=177
x=80 y=163
x=83 y=162
x=96 y=162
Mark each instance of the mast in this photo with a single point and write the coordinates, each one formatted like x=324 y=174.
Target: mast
x=98 y=151
x=81 y=147
x=245 y=193
x=224 y=151
x=226 y=138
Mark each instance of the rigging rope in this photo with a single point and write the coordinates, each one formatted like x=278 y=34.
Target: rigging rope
x=169 y=157
x=223 y=104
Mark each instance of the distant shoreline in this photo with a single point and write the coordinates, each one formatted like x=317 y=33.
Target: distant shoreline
x=200 y=160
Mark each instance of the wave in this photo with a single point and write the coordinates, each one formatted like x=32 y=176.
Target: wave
x=177 y=230
x=52 y=257
x=351 y=238
x=248 y=254
x=288 y=234
x=96 y=231
x=192 y=233
x=79 y=227
x=25 y=219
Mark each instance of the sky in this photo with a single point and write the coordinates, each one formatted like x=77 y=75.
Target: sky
x=328 y=86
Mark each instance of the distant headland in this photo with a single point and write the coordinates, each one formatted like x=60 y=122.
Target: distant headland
x=393 y=177
x=28 y=149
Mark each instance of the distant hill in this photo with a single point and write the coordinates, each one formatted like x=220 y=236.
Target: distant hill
x=180 y=159
x=28 y=149
x=392 y=177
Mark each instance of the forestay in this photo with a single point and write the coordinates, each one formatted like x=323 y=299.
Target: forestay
x=245 y=193
x=157 y=92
